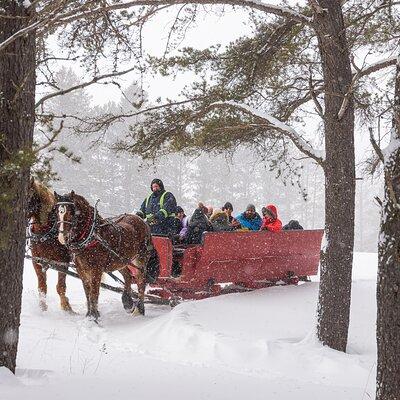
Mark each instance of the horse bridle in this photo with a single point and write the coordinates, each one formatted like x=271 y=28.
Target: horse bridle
x=74 y=220
x=69 y=242
x=34 y=207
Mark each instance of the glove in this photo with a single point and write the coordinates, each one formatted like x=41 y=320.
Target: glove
x=150 y=219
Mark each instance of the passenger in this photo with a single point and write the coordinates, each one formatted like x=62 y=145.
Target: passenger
x=271 y=222
x=159 y=207
x=210 y=211
x=292 y=225
x=180 y=214
x=228 y=210
x=249 y=219
x=219 y=221
x=198 y=224
x=176 y=225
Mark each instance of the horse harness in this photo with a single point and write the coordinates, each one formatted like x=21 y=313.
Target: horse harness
x=41 y=237
x=93 y=238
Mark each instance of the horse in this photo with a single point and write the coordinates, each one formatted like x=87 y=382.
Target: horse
x=43 y=235
x=101 y=245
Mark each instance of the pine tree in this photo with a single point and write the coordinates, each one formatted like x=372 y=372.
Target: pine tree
x=17 y=116
x=388 y=287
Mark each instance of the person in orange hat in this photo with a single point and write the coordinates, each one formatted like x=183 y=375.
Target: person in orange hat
x=270 y=222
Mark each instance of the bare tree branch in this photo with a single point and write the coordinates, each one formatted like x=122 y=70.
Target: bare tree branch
x=50 y=140
x=96 y=79
x=376 y=147
x=361 y=72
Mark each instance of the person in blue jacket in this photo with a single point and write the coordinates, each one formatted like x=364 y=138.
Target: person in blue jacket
x=159 y=209
x=250 y=219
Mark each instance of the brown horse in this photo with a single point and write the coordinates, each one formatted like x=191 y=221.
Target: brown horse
x=101 y=245
x=43 y=235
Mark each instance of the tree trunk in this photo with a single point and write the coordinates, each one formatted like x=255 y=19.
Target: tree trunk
x=337 y=255
x=17 y=100
x=388 y=287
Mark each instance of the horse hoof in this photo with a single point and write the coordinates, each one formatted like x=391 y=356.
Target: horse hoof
x=43 y=305
x=67 y=308
x=128 y=302
x=93 y=317
x=138 y=310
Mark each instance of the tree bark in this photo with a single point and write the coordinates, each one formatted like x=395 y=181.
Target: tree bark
x=337 y=255
x=388 y=286
x=17 y=100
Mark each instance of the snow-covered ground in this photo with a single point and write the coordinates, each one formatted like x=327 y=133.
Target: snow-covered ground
x=257 y=345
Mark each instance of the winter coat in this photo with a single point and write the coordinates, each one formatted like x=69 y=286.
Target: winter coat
x=253 y=224
x=272 y=224
x=184 y=229
x=198 y=224
x=161 y=219
x=176 y=226
x=292 y=225
x=219 y=221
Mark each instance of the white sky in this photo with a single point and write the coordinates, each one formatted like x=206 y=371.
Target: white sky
x=210 y=29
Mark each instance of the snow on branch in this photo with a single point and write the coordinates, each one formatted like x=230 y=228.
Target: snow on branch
x=255 y=4
x=286 y=130
x=387 y=62
x=61 y=17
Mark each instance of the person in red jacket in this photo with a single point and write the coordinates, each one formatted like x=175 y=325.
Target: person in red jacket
x=271 y=222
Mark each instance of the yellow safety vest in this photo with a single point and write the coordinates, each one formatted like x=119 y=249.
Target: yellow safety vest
x=161 y=203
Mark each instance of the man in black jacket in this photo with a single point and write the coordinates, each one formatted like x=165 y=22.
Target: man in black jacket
x=159 y=208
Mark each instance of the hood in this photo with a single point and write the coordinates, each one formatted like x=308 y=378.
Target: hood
x=159 y=183
x=273 y=209
x=218 y=215
x=198 y=218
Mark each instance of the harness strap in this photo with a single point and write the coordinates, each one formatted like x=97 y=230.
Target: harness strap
x=43 y=234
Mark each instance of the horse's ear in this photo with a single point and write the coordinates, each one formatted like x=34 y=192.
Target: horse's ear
x=72 y=194
x=57 y=196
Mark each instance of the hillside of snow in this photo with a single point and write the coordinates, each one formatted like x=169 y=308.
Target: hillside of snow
x=257 y=345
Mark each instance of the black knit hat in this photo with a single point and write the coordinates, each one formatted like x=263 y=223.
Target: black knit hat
x=251 y=207
x=158 y=182
x=179 y=209
x=227 y=206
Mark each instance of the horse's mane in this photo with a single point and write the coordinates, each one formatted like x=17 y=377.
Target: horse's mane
x=47 y=199
x=45 y=194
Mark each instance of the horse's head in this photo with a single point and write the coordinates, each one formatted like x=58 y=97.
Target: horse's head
x=41 y=201
x=71 y=210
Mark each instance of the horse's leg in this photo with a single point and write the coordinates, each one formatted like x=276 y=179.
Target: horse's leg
x=42 y=285
x=61 y=289
x=141 y=284
x=85 y=282
x=94 y=289
x=127 y=300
